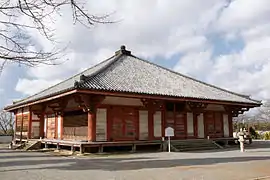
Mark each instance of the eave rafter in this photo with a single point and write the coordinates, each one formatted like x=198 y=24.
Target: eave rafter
x=38 y=110
x=59 y=105
x=236 y=110
x=154 y=104
x=88 y=103
x=197 y=107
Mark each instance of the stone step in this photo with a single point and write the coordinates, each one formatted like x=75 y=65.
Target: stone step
x=31 y=145
x=193 y=145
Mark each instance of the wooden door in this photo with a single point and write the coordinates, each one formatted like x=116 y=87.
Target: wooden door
x=209 y=124
x=213 y=124
x=180 y=125
x=218 y=124
x=124 y=125
x=177 y=121
x=50 y=126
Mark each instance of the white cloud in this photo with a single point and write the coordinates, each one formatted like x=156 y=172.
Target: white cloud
x=195 y=64
x=166 y=28
x=149 y=29
x=29 y=87
x=240 y=14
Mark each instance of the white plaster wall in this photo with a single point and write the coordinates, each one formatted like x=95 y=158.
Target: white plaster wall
x=45 y=126
x=190 y=127
x=143 y=125
x=226 y=125
x=157 y=124
x=58 y=126
x=110 y=100
x=215 y=107
x=200 y=126
x=101 y=124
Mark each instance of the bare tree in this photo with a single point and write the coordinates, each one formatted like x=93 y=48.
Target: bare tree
x=6 y=123
x=16 y=44
x=264 y=112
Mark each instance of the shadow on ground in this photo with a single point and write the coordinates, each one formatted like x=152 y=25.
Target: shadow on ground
x=118 y=164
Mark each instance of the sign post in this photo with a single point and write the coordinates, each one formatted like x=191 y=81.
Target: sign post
x=168 y=133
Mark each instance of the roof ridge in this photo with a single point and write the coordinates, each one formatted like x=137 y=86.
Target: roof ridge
x=191 y=78
x=64 y=80
x=117 y=57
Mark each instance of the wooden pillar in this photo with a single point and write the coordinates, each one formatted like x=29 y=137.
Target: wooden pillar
x=16 y=126
x=195 y=124
x=56 y=125
x=29 y=136
x=89 y=104
x=61 y=126
x=21 y=127
x=91 y=126
x=230 y=125
x=41 y=125
x=163 y=120
x=150 y=123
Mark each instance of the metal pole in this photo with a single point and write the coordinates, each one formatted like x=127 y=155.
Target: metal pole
x=169 y=144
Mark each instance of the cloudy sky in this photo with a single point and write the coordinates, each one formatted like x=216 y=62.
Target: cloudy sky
x=225 y=43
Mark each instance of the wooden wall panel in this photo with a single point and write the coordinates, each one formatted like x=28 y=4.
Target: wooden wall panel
x=101 y=124
x=18 y=126
x=143 y=125
x=75 y=125
x=35 y=130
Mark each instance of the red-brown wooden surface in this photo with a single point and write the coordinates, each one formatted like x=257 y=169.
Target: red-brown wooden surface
x=177 y=120
x=180 y=128
x=124 y=123
x=213 y=124
x=51 y=126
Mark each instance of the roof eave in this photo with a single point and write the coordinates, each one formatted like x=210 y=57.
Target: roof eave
x=164 y=97
x=42 y=99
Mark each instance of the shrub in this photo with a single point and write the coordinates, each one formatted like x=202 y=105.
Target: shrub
x=266 y=135
x=253 y=133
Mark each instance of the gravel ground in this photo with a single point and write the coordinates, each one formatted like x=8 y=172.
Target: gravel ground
x=204 y=165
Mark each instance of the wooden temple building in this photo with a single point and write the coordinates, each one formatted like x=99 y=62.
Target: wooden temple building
x=127 y=100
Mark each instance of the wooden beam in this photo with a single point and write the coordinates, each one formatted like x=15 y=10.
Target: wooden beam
x=132 y=95
x=160 y=97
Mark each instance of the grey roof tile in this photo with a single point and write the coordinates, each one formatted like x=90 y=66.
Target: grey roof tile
x=131 y=74
x=127 y=73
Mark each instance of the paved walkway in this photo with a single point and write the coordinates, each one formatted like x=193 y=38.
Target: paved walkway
x=206 y=165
